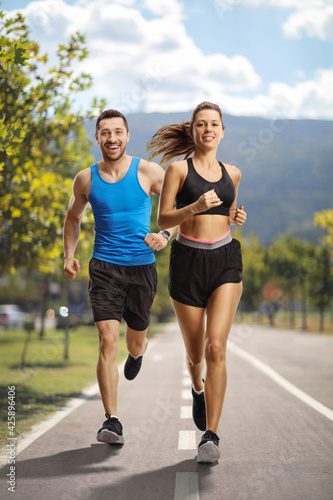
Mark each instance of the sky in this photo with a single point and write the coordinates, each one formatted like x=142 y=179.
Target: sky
x=267 y=58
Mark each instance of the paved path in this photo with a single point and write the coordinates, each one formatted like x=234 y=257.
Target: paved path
x=273 y=445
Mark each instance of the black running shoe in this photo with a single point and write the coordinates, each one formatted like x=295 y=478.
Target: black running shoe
x=111 y=432
x=208 y=449
x=199 y=410
x=132 y=367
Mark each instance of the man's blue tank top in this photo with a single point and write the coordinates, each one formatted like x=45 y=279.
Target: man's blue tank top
x=122 y=212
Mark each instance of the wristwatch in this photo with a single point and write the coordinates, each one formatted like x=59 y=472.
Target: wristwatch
x=166 y=234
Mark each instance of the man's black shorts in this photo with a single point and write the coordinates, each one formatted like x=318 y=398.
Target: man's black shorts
x=118 y=292
x=195 y=273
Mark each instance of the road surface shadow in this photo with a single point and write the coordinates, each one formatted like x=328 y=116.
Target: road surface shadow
x=101 y=478
x=69 y=463
x=157 y=484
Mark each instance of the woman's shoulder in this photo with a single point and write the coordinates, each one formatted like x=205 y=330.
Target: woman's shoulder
x=178 y=167
x=233 y=171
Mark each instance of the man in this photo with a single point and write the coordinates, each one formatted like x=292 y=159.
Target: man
x=122 y=270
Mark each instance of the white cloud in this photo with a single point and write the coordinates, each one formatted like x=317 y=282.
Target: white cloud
x=312 y=22
x=143 y=60
x=136 y=60
x=313 y=18
x=311 y=99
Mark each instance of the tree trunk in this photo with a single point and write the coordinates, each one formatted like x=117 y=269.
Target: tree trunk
x=321 y=319
x=304 y=309
x=292 y=310
x=45 y=288
x=67 y=325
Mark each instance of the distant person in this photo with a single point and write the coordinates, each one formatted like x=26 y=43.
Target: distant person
x=205 y=261
x=122 y=270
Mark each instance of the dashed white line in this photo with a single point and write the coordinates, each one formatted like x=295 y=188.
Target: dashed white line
x=185 y=412
x=186 y=394
x=187 y=486
x=187 y=440
x=186 y=381
x=281 y=381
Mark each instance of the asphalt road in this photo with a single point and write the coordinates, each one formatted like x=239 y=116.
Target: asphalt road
x=274 y=446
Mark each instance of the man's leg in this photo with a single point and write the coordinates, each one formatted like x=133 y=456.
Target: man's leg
x=107 y=369
x=107 y=375
x=137 y=343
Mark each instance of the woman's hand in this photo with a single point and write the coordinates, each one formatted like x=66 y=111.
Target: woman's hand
x=206 y=201
x=240 y=216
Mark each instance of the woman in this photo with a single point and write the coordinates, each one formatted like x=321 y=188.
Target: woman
x=205 y=262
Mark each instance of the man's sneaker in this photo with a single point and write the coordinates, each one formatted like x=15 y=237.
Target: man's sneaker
x=208 y=449
x=132 y=367
x=111 y=432
x=199 y=410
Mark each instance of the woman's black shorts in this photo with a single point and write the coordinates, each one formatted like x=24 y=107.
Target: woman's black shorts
x=195 y=273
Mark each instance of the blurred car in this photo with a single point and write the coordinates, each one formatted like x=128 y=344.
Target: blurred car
x=12 y=316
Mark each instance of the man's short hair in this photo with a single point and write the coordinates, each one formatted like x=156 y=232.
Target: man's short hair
x=110 y=113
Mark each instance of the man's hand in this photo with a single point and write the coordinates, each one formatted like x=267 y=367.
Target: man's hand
x=156 y=241
x=71 y=268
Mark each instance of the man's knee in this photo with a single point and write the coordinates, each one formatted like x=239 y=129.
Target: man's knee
x=108 y=340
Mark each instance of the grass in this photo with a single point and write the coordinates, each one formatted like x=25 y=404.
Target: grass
x=282 y=320
x=47 y=381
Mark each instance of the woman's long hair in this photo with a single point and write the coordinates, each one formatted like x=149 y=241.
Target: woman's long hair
x=175 y=141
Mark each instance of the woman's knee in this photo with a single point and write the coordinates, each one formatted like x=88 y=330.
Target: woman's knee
x=194 y=359
x=215 y=351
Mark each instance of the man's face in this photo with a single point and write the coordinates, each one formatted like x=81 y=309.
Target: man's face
x=112 y=137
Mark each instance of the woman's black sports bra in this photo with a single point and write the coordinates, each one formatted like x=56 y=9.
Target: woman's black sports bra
x=195 y=185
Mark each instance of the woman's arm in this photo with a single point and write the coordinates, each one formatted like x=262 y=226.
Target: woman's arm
x=168 y=216
x=237 y=215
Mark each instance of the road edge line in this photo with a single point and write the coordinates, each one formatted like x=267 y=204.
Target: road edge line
x=281 y=381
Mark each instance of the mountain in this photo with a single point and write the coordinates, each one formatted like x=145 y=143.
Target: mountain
x=286 y=165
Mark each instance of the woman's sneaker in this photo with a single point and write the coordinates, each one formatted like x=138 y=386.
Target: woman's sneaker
x=208 y=449
x=199 y=410
x=111 y=432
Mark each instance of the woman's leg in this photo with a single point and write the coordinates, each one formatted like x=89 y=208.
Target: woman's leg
x=221 y=308
x=191 y=322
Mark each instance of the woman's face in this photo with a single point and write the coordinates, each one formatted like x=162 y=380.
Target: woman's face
x=207 y=129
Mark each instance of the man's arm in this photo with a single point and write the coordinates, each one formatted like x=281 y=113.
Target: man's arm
x=157 y=241
x=72 y=226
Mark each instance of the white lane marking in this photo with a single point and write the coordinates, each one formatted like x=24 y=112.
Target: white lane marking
x=186 y=394
x=281 y=381
x=39 y=429
x=185 y=372
x=187 y=440
x=186 y=381
x=156 y=357
x=187 y=486
x=24 y=440
x=186 y=412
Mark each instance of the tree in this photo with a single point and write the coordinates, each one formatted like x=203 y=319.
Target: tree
x=162 y=307
x=323 y=288
x=325 y=220
x=321 y=283
x=44 y=144
x=292 y=262
x=255 y=271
